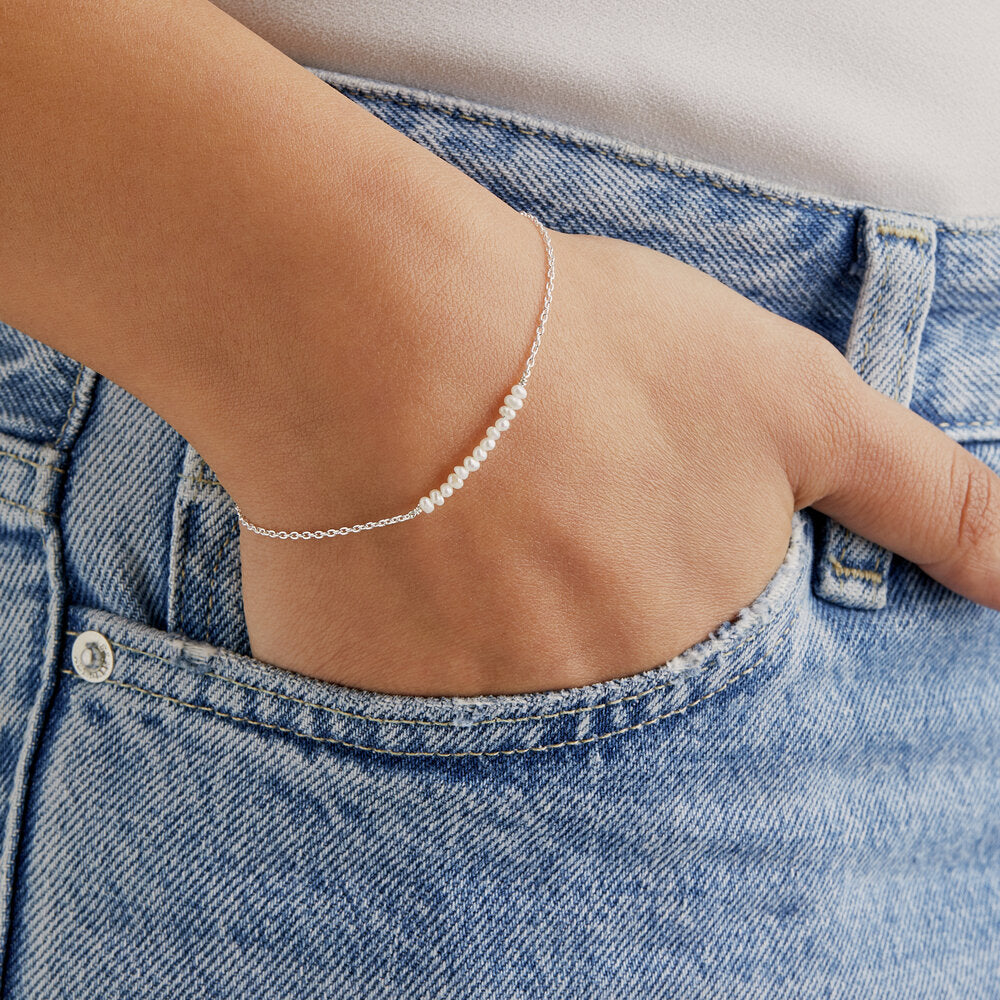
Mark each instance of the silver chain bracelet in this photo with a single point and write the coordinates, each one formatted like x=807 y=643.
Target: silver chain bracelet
x=508 y=411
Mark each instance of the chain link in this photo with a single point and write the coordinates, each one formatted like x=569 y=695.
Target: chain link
x=548 y=299
x=416 y=511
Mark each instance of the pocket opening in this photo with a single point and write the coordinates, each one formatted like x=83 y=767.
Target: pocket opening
x=201 y=678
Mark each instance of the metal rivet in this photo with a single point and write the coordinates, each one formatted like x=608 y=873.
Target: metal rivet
x=93 y=658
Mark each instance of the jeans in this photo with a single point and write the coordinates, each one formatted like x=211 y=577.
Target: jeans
x=804 y=804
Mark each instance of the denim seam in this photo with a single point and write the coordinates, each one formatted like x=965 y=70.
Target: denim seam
x=904 y=232
x=842 y=571
x=182 y=560
x=991 y=423
x=481 y=722
x=919 y=236
x=510 y=719
x=226 y=542
x=200 y=479
x=456 y=753
x=69 y=412
x=870 y=323
x=31 y=510
x=924 y=274
x=24 y=776
x=512 y=126
x=28 y=461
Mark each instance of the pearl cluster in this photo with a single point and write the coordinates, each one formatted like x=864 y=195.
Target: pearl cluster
x=511 y=404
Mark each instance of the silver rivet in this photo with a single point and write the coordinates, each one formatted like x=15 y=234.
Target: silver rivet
x=93 y=657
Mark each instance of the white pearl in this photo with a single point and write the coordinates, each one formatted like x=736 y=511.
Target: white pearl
x=471 y=463
x=487 y=443
x=426 y=504
x=435 y=495
x=513 y=402
x=519 y=391
x=479 y=453
x=461 y=471
x=454 y=482
x=502 y=424
x=506 y=411
x=492 y=433
x=446 y=490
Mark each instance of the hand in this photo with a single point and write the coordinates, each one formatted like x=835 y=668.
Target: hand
x=642 y=497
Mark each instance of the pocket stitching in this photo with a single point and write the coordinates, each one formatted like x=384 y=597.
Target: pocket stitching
x=479 y=722
x=510 y=719
x=990 y=423
x=457 y=753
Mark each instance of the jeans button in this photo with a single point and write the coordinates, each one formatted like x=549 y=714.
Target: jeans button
x=92 y=656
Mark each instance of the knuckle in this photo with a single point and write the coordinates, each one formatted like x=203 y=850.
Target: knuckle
x=975 y=495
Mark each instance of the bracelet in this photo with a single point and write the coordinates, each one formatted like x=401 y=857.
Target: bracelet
x=508 y=411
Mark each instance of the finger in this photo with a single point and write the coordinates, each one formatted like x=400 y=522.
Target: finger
x=896 y=479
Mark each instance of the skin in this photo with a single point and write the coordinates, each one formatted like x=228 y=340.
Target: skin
x=331 y=315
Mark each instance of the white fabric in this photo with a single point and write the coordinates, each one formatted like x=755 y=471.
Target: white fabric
x=895 y=104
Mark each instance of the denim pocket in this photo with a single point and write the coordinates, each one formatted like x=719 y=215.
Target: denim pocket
x=227 y=684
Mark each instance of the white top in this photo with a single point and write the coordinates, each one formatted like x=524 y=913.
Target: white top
x=895 y=104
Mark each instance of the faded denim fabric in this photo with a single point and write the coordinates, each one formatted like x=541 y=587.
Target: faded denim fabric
x=806 y=804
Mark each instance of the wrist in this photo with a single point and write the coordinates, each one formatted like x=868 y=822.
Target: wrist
x=388 y=358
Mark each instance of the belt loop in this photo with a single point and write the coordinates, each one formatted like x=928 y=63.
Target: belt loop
x=882 y=346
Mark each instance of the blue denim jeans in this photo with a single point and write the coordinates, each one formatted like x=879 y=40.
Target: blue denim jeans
x=805 y=804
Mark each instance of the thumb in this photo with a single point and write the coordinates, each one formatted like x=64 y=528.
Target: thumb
x=892 y=477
